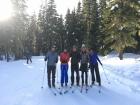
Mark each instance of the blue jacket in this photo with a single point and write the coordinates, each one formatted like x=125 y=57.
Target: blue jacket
x=94 y=59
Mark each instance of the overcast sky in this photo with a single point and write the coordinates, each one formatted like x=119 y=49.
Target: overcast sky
x=62 y=5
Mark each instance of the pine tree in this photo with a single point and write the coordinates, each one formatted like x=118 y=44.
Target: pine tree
x=69 y=29
x=31 y=35
x=40 y=42
x=20 y=26
x=102 y=33
x=61 y=33
x=51 y=17
x=122 y=23
x=75 y=27
x=91 y=15
x=80 y=26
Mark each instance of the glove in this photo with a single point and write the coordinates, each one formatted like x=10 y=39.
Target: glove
x=101 y=64
x=89 y=67
x=45 y=59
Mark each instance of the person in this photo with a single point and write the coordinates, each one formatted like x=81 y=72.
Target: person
x=75 y=59
x=52 y=58
x=94 y=59
x=28 y=57
x=64 y=58
x=84 y=65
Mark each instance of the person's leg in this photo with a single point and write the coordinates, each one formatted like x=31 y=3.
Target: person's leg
x=77 y=75
x=72 y=75
x=49 y=75
x=27 y=60
x=82 y=76
x=98 y=78
x=86 y=78
x=30 y=60
x=62 y=74
x=92 y=68
x=66 y=74
x=53 y=75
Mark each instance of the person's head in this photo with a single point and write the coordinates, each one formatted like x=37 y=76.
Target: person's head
x=74 y=48
x=53 y=48
x=65 y=50
x=92 y=50
x=83 y=48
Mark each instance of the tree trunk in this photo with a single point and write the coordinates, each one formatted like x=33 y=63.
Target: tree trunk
x=121 y=55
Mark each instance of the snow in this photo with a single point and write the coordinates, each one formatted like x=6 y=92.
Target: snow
x=20 y=84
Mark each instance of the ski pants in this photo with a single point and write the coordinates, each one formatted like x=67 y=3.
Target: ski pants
x=51 y=71
x=84 y=75
x=29 y=59
x=64 y=73
x=75 y=68
x=95 y=70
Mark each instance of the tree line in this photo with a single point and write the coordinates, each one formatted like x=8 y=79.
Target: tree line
x=105 y=25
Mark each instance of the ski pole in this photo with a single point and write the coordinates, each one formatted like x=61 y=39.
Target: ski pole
x=57 y=75
x=89 y=77
x=43 y=75
x=105 y=75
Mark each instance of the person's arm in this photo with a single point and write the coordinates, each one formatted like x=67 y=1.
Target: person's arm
x=98 y=59
x=90 y=58
x=46 y=57
x=56 y=57
x=80 y=57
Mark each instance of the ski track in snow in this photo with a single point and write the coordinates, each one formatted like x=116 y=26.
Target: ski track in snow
x=20 y=84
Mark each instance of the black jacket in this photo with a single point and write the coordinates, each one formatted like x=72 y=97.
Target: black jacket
x=75 y=58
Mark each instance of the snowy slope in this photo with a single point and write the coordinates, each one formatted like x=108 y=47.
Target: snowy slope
x=20 y=84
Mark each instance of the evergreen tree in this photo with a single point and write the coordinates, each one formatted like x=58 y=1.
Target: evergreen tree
x=75 y=27
x=121 y=24
x=61 y=33
x=68 y=26
x=102 y=33
x=50 y=32
x=80 y=26
x=19 y=26
x=91 y=15
x=31 y=35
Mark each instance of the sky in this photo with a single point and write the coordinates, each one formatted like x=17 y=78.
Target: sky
x=34 y=5
x=5 y=9
x=61 y=5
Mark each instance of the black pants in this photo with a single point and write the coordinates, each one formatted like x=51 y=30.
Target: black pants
x=29 y=59
x=95 y=69
x=75 y=68
x=84 y=71
x=51 y=71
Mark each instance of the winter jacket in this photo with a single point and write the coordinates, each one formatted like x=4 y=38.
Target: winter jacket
x=28 y=54
x=94 y=59
x=84 y=58
x=52 y=58
x=64 y=57
x=75 y=58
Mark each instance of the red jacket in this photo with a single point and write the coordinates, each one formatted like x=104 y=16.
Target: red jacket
x=64 y=57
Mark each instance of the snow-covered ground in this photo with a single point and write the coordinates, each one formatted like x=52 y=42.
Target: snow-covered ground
x=20 y=84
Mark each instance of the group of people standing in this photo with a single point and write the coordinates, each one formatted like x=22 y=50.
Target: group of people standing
x=86 y=58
